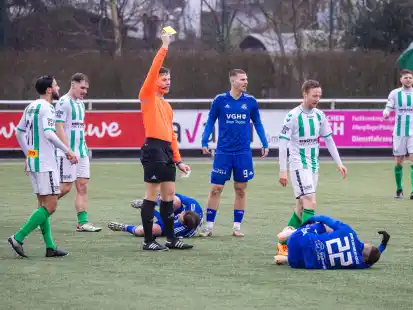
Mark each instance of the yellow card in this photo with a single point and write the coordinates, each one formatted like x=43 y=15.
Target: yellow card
x=169 y=30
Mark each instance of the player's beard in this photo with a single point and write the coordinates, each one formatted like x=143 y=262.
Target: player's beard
x=55 y=96
x=241 y=88
x=163 y=91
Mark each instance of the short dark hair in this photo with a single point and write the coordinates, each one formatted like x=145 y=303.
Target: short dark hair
x=309 y=84
x=235 y=72
x=405 y=71
x=374 y=256
x=191 y=219
x=79 y=77
x=164 y=70
x=43 y=83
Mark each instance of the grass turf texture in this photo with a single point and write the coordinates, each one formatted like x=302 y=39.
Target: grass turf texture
x=108 y=270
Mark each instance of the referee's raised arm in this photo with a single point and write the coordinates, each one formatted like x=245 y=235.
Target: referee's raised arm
x=148 y=89
x=159 y=154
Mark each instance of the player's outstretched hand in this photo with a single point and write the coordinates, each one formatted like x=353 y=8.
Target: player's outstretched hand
x=184 y=168
x=385 y=237
x=283 y=178
x=386 y=114
x=205 y=150
x=343 y=171
x=264 y=152
x=166 y=39
x=72 y=157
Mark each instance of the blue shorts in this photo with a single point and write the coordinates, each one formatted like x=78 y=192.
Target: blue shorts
x=299 y=244
x=295 y=251
x=240 y=165
x=160 y=223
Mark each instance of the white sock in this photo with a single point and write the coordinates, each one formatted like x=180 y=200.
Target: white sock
x=237 y=226
x=210 y=225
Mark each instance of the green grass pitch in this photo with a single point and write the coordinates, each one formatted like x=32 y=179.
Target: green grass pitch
x=108 y=270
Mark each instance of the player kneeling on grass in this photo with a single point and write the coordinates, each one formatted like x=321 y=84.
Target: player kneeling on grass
x=326 y=243
x=187 y=219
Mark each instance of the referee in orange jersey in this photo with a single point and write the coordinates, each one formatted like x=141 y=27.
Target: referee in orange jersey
x=159 y=154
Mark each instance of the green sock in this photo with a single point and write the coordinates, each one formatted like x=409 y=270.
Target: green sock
x=307 y=213
x=36 y=219
x=47 y=234
x=294 y=221
x=398 y=175
x=82 y=218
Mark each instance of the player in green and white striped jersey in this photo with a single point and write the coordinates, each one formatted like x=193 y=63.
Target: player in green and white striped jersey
x=38 y=141
x=400 y=101
x=302 y=128
x=70 y=128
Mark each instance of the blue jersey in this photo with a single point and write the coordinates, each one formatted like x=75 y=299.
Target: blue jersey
x=234 y=118
x=311 y=247
x=188 y=204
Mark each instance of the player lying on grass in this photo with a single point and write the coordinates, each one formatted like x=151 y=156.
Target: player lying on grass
x=326 y=243
x=187 y=219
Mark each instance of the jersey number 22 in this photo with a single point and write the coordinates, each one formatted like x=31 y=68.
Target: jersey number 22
x=343 y=253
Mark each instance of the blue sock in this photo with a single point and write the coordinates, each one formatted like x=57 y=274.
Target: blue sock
x=238 y=216
x=210 y=215
x=157 y=215
x=130 y=229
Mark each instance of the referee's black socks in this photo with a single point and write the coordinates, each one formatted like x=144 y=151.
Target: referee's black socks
x=167 y=215
x=147 y=214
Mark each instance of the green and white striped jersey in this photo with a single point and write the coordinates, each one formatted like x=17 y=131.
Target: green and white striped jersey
x=400 y=100
x=71 y=112
x=303 y=130
x=38 y=117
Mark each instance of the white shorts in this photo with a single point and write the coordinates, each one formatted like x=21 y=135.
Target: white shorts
x=402 y=145
x=69 y=173
x=304 y=182
x=45 y=183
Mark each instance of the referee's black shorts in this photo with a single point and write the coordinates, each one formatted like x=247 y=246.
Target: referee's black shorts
x=157 y=161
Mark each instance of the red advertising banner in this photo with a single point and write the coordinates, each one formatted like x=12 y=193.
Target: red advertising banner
x=104 y=129
x=124 y=129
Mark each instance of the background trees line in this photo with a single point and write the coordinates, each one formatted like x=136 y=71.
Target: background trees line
x=218 y=24
x=350 y=45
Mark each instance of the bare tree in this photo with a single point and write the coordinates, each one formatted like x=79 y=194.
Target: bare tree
x=125 y=15
x=223 y=20
x=19 y=8
x=116 y=28
x=274 y=18
x=4 y=24
x=287 y=17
